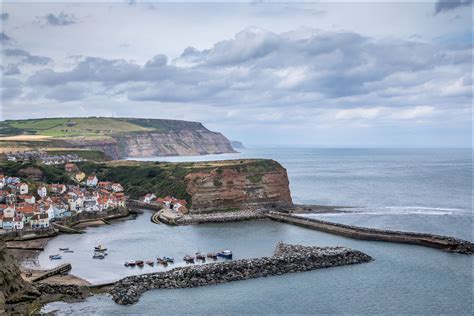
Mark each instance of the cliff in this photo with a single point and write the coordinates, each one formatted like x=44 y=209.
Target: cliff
x=238 y=184
x=12 y=287
x=117 y=137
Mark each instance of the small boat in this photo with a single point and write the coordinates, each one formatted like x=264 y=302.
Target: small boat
x=64 y=249
x=140 y=263
x=200 y=256
x=169 y=259
x=55 y=257
x=150 y=263
x=69 y=251
x=98 y=255
x=227 y=254
x=212 y=255
x=131 y=264
x=100 y=248
x=162 y=261
x=188 y=259
x=127 y=264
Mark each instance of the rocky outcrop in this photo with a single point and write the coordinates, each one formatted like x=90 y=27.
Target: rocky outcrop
x=183 y=140
x=13 y=289
x=237 y=185
x=286 y=259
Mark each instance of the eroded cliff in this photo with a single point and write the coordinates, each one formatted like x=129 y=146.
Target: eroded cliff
x=12 y=287
x=237 y=185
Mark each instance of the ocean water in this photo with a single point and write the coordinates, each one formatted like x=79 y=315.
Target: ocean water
x=424 y=190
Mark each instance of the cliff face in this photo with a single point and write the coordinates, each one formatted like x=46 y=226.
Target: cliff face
x=174 y=143
x=243 y=185
x=177 y=142
x=12 y=287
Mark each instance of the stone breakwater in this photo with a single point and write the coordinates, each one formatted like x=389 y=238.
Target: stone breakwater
x=222 y=217
x=286 y=259
x=445 y=243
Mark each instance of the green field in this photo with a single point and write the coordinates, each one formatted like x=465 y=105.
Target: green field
x=71 y=127
x=91 y=127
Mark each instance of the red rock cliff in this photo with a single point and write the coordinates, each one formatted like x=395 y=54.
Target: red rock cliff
x=239 y=184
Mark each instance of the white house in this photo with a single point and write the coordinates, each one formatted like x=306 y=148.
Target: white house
x=117 y=187
x=2 y=181
x=42 y=191
x=149 y=197
x=30 y=199
x=92 y=181
x=40 y=221
x=9 y=211
x=22 y=188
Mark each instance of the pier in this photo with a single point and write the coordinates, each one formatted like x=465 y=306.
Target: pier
x=445 y=243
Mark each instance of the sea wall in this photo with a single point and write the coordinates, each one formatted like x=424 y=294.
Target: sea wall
x=446 y=243
x=286 y=259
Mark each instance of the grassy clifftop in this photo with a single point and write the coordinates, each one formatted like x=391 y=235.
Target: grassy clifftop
x=91 y=127
x=140 y=178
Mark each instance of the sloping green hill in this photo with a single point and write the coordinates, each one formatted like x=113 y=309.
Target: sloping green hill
x=93 y=127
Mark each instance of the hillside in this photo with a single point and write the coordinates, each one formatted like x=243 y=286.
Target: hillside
x=207 y=186
x=116 y=137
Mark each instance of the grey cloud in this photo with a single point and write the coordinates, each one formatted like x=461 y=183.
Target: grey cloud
x=66 y=93
x=61 y=19
x=251 y=43
x=445 y=5
x=4 y=37
x=11 y=88
x=157 y=61
x=11 y=70
x=26 y=57
x=260 y=68
x=4 y=16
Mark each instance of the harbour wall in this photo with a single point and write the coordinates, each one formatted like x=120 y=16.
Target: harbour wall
x=450 y=244
x=286 y=259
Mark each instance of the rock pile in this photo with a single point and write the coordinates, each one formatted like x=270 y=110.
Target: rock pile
x=221 y=217
x=286 y=259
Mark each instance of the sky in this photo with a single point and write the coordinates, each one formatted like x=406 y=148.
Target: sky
x=330 y=74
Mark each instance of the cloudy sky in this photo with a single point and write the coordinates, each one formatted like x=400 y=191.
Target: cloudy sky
x=326 y=74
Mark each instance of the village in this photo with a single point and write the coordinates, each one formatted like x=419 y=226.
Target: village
x=27 y=204
x=167 y=203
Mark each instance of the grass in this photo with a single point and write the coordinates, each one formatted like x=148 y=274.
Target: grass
x=71 y=127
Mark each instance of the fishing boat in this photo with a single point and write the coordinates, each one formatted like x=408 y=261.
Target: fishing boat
x=227 y=254
x=212 y=255
x=150 y=263
x=63 y=249
x=100 y=248
x=169 y=259
x=162 y=261
x=55 y=257
x=200 y=256
x=188 y=259
x=131 y=264
x=98 y=255
x=127 y=264
x=69 y=251
x=140 y=263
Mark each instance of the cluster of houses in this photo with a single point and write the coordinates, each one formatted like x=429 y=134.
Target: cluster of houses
x=35 y=205
x=42 y=157
x=168 y=202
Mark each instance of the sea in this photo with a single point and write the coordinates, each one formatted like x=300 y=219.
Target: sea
x=419 y=190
